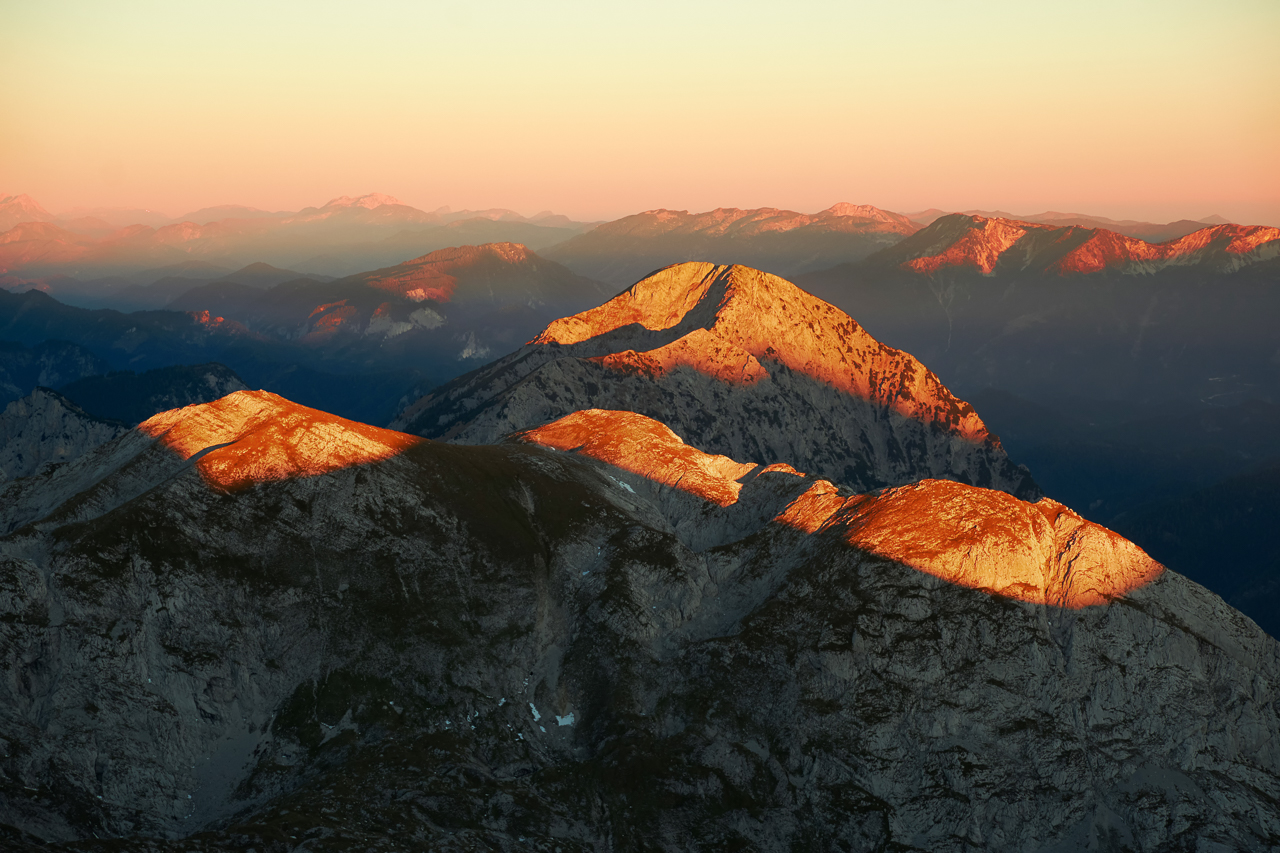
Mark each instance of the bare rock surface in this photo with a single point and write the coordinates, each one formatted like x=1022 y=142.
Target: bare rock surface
x=45 y=428
x=509 y=647
x=740 y=363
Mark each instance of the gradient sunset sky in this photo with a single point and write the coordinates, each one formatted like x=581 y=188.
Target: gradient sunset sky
x=1145 y=110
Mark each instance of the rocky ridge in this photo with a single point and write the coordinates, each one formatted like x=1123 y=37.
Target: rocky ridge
x=468 y=648
x=744 y=364
x=46 y=428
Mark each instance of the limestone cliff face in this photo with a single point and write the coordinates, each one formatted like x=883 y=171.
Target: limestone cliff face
x=44 y=428
x=740 y=363
x=622 y=644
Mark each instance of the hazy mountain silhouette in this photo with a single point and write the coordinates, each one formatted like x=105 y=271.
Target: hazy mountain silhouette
x=782 y=242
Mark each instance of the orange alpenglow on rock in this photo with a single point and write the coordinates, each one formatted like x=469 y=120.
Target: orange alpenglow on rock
x=977 y=538
x=980 y=243
x=256 y=436
x=983 y=539
x=645 y=447
x=769 y=319
x=700 y=350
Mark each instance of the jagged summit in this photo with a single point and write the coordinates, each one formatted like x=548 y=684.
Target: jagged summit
x=740 y=363
x=993 y=244
x=770 y=318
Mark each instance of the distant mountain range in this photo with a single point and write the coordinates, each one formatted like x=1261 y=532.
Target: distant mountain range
x=344 y=235
x=1150 y=231
x=990 y=246
x=782 y=242
x=1047 y=311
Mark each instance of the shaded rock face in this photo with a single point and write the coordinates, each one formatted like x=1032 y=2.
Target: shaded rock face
x=505 y=647
x=44 y=428
x=741 y=363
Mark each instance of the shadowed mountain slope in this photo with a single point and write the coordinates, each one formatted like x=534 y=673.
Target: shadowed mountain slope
x=45 y=427
x=741 y=363
x=362 y=635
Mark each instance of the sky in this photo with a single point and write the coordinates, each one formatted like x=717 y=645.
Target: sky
x=1143 y=110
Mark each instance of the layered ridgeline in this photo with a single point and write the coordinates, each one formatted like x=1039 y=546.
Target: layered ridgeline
x=447 y=309
x=263 y=626
x=1004 y=245
x=1050 y=312
x=343 y=236
x=739 y=362
x=782 y=242
x=354 y=345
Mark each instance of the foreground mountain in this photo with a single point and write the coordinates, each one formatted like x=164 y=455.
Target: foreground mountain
x=782 y=242
x=276 y=629
x=741 y=363
x=45 y=427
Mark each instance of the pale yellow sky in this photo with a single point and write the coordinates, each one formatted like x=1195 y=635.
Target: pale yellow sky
x=1158 y=110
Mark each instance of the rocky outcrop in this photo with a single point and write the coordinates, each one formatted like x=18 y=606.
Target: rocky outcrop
x=45 y=428
x=740 y=363
x=512 y=646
